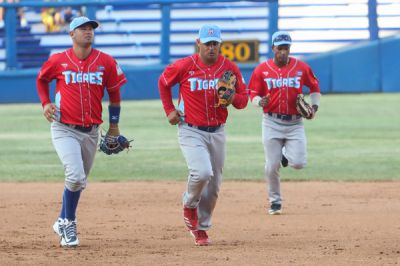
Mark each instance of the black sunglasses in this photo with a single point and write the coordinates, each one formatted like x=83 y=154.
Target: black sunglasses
x=282 y=38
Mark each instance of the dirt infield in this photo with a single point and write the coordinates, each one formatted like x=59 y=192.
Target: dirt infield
x=140 y=223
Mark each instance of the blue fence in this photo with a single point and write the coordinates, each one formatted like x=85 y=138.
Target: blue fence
x=369 y=67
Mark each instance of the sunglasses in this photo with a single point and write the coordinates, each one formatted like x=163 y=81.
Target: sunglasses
x=282 y=38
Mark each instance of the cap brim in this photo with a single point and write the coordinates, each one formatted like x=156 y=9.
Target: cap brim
x=210 y=39
x=93 y=23
x=282 y=43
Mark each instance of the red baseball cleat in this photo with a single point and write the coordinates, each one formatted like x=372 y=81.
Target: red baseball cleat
x=200 y=237
x=190 y=218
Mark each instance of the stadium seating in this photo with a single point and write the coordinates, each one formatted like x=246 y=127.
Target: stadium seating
x=132 y=33
x=29 y=50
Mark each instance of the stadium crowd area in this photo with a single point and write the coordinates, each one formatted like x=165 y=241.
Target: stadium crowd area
x=132 y=33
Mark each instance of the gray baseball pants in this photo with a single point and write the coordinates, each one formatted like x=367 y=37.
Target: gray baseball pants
x=277 y=134
x=205 y=155
x=76 y=151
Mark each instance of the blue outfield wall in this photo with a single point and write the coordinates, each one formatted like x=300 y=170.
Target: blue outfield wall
x=365 y=67
x=368 y=67
x=356 y=69
x=389 y=51
x=322 y=68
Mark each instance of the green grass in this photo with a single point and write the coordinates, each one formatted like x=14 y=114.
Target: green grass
x=355 y=137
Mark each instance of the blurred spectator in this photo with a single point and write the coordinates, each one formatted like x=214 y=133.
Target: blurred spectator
x=109 y=9
x=2 y=15
x=67 y=14
x=58 y=19
x=51 y=19
x=20 y=14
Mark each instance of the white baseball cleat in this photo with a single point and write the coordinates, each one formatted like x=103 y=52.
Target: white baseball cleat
x=69 y=237
x=275 y=209
x=58 y=227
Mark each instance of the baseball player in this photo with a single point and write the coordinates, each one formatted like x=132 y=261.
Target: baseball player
x=82 y=73
x=201 y=121
x=274 y=86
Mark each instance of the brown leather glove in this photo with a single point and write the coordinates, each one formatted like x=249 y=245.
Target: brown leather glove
x=226 y=89
x=304 y=108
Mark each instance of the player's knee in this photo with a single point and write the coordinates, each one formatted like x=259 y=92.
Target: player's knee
x=298 y=164
x=202 y=175
x=205 y=175
x=74 y=186
x=75 y=180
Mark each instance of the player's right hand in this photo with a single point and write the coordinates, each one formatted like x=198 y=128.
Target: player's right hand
x=264 y=101
x=175 y=117
x=49 y=112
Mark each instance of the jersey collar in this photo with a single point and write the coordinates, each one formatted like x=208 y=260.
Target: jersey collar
x=204 y=66
x=71 y=53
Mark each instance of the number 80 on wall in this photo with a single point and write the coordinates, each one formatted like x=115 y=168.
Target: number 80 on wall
x=241 y=51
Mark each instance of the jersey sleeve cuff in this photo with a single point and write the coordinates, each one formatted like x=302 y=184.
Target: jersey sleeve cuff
x=45 y=103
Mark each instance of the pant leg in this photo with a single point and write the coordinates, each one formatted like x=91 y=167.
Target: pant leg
x=210 y=192
x=296 y=147
x=67 y=145
x=273 y=155
x=88 y=148
x=273 y=141
x=194 y=146
x=276 y=134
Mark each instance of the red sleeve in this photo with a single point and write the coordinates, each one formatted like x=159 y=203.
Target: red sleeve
x=115 y=78
x=167 y=80
x=114 y=96
x=46 y=74
x=256 y=84
x=241 y=96
x=311 y=80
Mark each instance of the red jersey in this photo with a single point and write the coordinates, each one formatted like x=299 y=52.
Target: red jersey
x=80 y=85
x=198 y=89
x=283 y=84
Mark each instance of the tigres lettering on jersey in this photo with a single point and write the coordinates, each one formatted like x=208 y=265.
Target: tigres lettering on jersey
x=274 y=83
x=83 y=77
x=202 y=84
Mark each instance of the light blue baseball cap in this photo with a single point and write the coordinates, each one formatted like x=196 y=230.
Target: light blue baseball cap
x=210 y=32
x=281 y=38
x=79 y=21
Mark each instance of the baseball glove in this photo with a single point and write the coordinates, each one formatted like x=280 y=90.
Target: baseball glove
x=304 y=108
x=226 y=89
x=114 y=144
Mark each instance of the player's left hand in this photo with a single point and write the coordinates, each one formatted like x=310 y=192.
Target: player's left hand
x=113 y=142
x=314 y=111
x=226 y=89
x=304 y=108
x=113 y=130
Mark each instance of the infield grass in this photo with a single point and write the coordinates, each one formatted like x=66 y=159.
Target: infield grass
x=355 y=137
